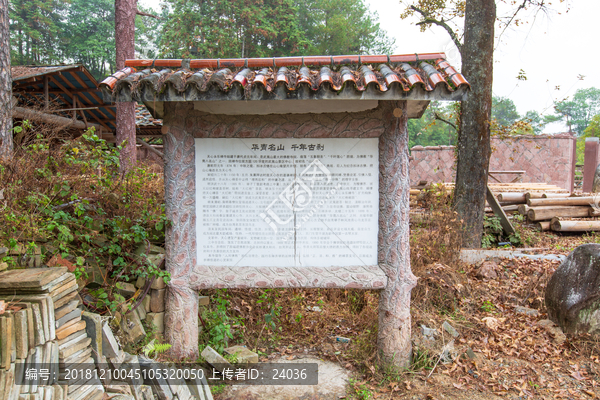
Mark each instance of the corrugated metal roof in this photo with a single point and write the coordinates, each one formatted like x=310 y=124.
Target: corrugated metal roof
x=402 y=77
x=67 y=83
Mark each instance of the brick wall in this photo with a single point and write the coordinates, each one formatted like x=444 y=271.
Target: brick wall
x=549 y=159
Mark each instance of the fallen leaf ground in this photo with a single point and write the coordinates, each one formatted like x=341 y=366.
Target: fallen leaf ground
x=500 y=353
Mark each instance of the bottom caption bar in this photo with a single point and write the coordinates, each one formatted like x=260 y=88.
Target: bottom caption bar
x=155 y=373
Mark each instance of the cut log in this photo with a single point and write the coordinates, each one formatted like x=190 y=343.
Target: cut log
x=33 y=115
x=533 y=195
x=575 y=226
x=569 y=201
x=523 y=208
x=543 y=214
x=150 y=148
x=518 y=198
x=543 y=226
x=555 y=195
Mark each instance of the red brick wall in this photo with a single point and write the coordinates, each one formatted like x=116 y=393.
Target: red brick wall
x=548 y=159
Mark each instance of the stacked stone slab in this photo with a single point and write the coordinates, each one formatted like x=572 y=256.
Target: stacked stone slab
x=42 y=329
x=43 y=324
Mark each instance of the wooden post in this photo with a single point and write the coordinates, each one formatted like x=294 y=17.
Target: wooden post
x=394 y=335
x=46 y=94
x=590 y=163
x=504 y=221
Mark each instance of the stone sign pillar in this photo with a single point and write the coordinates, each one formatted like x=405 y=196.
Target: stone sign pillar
x=393 y=250
x=231 y=220
x=181 y=317
x=590 y=163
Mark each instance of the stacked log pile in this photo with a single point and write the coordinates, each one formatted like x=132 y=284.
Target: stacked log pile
x=549 y=207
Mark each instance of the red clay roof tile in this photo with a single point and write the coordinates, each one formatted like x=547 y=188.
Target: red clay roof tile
x=329 y=73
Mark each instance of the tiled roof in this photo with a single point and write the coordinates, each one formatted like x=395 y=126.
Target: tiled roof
x=409 y=77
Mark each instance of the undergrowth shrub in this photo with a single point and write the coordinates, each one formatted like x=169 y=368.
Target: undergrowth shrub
x=437 y=238
x=435 y=244
x=68 y=197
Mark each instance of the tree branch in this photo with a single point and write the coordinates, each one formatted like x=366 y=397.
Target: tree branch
x=143 y=14
x=438 y=117
x=427 y=19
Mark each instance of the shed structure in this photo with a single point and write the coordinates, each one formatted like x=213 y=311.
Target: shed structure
x=265 y=104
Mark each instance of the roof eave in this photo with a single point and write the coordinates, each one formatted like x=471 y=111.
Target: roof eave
x=147 y=95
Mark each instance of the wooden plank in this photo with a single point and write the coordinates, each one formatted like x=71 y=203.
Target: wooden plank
x=504 y=221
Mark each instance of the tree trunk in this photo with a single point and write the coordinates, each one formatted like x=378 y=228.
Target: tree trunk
x=6 y=137
x=393 y=337
x=473 y=147
x=125 y=48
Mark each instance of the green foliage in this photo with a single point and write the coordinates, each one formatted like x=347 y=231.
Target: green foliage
x=237 y=28
x=360 y=390
x=34 y=31
x=592 y=130
x=578 y=112
x=430 y=130
x=504 y=111
x=488 y=306
x=217 y=322
x=71 y=197
x=87 y=32
x=154 y=348
x=270 y=28
x=493 y=233
x=334 y=27
x=75 y=31
x=535 y=120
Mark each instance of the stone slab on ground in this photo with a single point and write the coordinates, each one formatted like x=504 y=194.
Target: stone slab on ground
x=214 y=358
x=76 y=313
x=6 y=328
x=47 y=312
x=157 y=320
x=146 y=303
x=69 y=329
x=201 y=389
x=243 y=354
x=60 y=312
x=157 y=300
x=63 y=291
x=33 y=278
x=73 y=336
x=93 y=329
x=333 y=380
x=70 y=350
x=473 y=256
x=203 y=300
x=132 y=326
x=126 y=289
x=38 y=325
x=110 y=347
x=65 y=300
